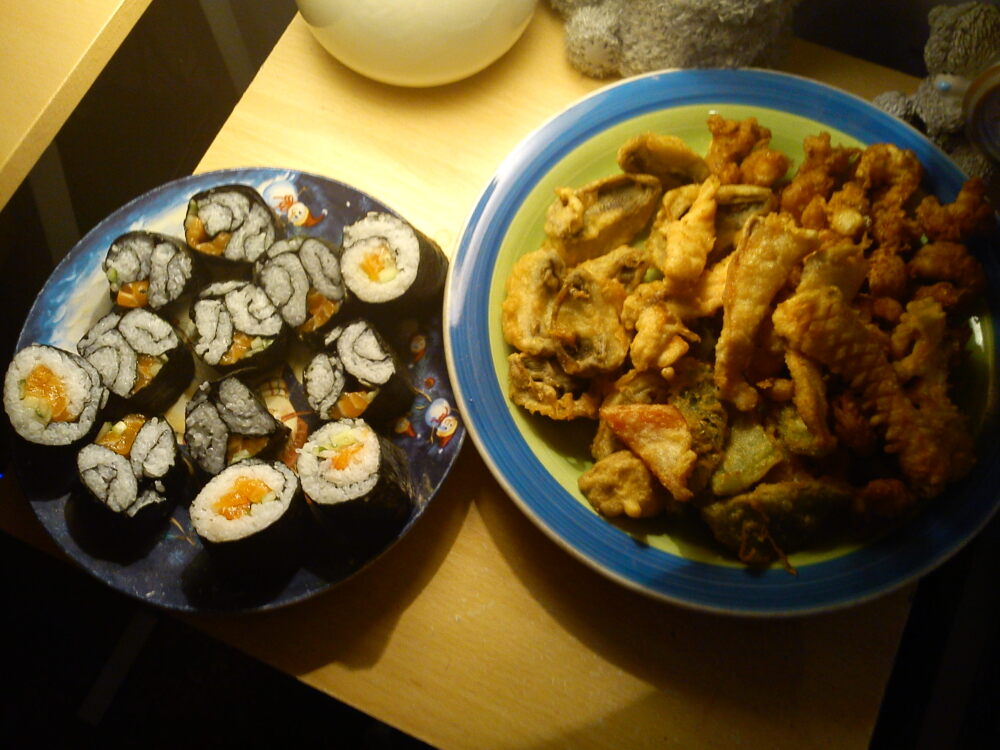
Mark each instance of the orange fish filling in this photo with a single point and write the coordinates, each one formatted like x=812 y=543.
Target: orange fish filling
x=120 y=440
x=379 y=264
x=240 y=346
x=242 y=496
x=353 y=404
x=321 y=308
x=146 y=367
x=44 y=386
x=197 y=237
x=243 y=444
x=133 y=294
x=341 y=459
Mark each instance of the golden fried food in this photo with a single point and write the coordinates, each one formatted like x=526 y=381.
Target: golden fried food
x=532 y=286
x=587 y=222
x=772 y=356
x=762 y=263
x=666 y=157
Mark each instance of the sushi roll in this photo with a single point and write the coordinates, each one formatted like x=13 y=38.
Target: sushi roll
x=51 y=396
x=237 y=327
x=146 y=269
x=226 y=422
x=373 y=373
x=385 y=260
x=248 y=517
x=229 y=224
x=133 y=468
x=349 y=472
x=301 y=276
x=141 y=359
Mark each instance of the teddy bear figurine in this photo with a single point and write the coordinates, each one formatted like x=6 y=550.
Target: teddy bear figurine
x=627 y=37
x=964 y=41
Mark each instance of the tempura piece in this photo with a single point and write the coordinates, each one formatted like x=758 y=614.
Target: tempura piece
x=748 y=456
x=881 y=502
x=762 y=263
x=823 y=169
x=733 y=142
x=600 y=216
x=680 y=248
x=773 y=519
x=626 y=265
x=585 y=325
x=542 y=387
x=666 y=157
x=810 y=402
x=890 y=174
x=950 y=262
x=660 y=436
x=821 y=325
x=621 y=484
x=693 y=392
x=661 y=339
x=735 y=206
x=532 y=286
x=634 y=387
x=842 y=265
x=968 y=216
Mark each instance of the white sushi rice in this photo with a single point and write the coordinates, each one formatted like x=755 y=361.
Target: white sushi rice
x=84 y=394
x=109 y=477
x=362 y=352
x=367 y=236
x=249 y=223
x=169 y=272
x=323 y=267
x=215 y=330
x=215 y=527
x=287 y=286
x=326 y=484
x=147 y=332
x=154 y=449
x=323 y=380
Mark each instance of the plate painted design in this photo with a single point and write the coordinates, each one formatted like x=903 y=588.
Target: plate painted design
x=538 y=462
x=173 y=571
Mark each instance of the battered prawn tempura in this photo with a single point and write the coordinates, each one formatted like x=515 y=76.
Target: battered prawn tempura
x=769 y=357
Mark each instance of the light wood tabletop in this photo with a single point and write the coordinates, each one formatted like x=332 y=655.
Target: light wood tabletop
x=477 y=631
x=50 y=54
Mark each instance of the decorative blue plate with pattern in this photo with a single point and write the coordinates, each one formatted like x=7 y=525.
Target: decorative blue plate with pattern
x=171 y=569
x=538 y=462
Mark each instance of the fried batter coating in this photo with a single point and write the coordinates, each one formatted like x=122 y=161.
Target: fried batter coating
x=626 y=265
x=542 y=387
x=666 y=157
x=762 y=525
x=732 y=142
x=821 y=325
x=968 y=216
x=880 y=502
x=762 y=262
x=763 y=167
x=534 y=281
x=680 y=247
x=847 y=211
x=749 y=454
x=823 y=169
x=660 y=436
x=600 y=216
x=810 y=401
x=950 y=262
x=621 y=484
x=585 y=325
x=842 y=265
x=852 y=428
x=735 y=206
x=693 y=392
x=634 y=387
x=661 y=339
x=890 y=174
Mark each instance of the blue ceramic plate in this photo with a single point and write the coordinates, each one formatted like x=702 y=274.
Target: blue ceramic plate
x=172 y=570
x=538 y=461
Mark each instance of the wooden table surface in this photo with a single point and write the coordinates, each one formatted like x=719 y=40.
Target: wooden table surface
x=477 y=631
x=50 y=54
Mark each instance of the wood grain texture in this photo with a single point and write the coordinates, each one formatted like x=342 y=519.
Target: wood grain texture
x=51 y=51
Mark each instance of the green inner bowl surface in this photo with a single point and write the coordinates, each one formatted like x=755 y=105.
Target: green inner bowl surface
x=563 y=447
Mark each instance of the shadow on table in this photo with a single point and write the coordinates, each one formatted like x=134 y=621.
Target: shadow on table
x=375 y=597
x=733 y=666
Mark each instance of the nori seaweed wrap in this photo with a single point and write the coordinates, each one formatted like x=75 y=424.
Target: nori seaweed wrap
x=372 y=379
x=134 y=470
x=51 y=396
x=226 y=422
x=147 y=269
x=237 y=328
x=141 y=359
x=301 y=276
x=230 y=225
x=387 y=261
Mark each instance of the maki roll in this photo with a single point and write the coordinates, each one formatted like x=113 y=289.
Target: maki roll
x=350 y=472
x=140 y=358
x=248 y=518
x=385 y=260
x=359 y=373
x=229 y=224
x=226 y=422
x=51 y=396
x=301 y=276
x=133 y=468
x=237 y=327
x=146 y=269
